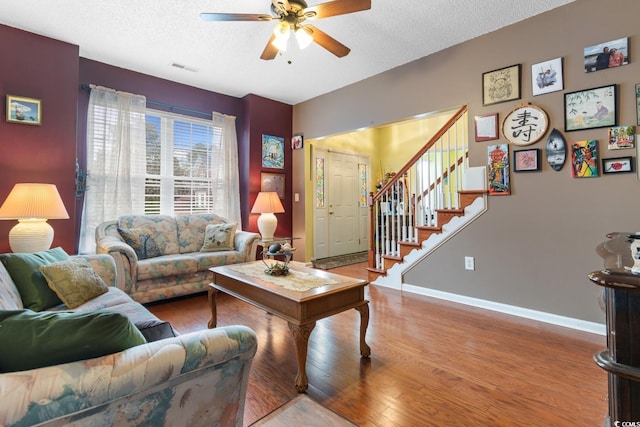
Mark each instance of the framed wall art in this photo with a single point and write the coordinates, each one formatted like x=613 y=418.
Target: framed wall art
x=27 y=111
x=591 y=108
x=556 y=150
x=526 y=160
x=501 y=85
x=498 y=171
x=272 y=182
x=638 y=104
x=486 y=127
x=601 y=56
x=584 y=159
x=272 y=152
x=617 y=165
x=621 y=137
x=546 y=76
x=297 y=142
x=525 y=125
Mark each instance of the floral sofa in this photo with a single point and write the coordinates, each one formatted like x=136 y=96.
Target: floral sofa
x=160 y=256
x=195 y=379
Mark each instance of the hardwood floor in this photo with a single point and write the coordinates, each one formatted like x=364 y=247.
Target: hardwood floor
x=433 y=363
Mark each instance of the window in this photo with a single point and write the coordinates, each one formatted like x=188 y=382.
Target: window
x=181 y=158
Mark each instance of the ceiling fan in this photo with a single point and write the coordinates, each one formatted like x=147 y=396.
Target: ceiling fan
x=291 y=15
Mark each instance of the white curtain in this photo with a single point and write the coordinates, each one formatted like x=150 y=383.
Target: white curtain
x=116 y=160
x=227 y=170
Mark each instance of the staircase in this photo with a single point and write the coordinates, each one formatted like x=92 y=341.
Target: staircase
x=414 y=210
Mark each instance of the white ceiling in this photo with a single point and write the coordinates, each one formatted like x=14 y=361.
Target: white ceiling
x=148 y=35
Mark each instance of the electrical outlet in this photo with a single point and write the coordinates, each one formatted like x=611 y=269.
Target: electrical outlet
x=469 y=263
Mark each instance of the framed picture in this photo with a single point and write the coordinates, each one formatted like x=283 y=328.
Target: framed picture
x=272 y=152
x=272 y=182
x=526 y=160
x=525 y=125
x=546 y=76
x=556 y=149
x=617 y=165
x=621 y=137
x=24 y=110
x=601 y=56
x=486 y=127
x=590 y=109
x=584 y=159
x=638 y=104
x=296 y=142
x=501 y=85
x=498 y=175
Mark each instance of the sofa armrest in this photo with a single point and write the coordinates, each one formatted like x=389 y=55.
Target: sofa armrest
x=195 y=379
x=246 y=242
x=125 y=258
x=105 y=266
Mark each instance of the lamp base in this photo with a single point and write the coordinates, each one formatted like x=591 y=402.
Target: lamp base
x=30 y=235
x=267 y=224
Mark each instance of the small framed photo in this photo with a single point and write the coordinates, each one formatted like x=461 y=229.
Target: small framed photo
x=272 y=182
x=621 y=137
x=590 y=108
x=584 y=159
x=526 y=160
x=617 y=165
x=546 y=76
x=501 y=85
x=486 y=127
x=611 y=54
x=27 y=111
x=296 y=142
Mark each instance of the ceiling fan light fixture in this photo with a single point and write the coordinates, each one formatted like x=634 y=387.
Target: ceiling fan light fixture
x=304 y=37
x=282 y=32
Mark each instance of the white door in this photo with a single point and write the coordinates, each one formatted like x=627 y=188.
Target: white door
x=340 y=223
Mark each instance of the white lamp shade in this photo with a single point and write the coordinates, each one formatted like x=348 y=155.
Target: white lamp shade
x=32 y=205
x=304 y=37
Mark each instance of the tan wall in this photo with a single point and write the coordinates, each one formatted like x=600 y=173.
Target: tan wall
x=533 y=249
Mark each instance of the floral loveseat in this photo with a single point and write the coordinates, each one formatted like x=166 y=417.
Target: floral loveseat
x=195 y=379
x=160 y=256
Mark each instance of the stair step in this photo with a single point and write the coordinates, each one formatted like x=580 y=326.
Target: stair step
x=407 y=246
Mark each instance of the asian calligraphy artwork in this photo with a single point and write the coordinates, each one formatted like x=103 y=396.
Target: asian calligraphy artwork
x=525 y=125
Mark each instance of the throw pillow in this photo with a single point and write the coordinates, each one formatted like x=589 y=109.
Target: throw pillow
x=74 y=281
x=25 y=272
x=141 y=241
x=51 y=338
x=219 y=237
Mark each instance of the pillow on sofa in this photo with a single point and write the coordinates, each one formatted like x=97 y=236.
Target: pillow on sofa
x=74 y=281
x=141 y=241
x=25 y=271
x=51 y=338
x=219 y=237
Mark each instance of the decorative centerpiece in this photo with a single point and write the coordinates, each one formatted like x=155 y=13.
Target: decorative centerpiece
x=278 y=268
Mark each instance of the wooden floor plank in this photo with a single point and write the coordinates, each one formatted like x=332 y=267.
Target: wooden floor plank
x=433 y=363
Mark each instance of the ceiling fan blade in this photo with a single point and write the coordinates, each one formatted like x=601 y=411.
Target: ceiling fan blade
x=337 y=7
x=235 y=17
x=270 y=51
x=328 y=42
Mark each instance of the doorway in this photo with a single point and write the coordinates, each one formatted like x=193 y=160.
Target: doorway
x=340 y=217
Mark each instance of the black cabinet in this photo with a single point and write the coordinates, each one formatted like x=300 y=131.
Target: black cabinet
x=621 y=359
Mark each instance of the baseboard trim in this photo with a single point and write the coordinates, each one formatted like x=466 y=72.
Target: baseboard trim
x=554 y=319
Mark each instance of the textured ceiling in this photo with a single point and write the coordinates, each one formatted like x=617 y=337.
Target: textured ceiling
x=149 y=35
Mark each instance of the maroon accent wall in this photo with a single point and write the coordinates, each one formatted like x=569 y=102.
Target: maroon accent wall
x=51 y=70
x=38 y=67
x=268 y=117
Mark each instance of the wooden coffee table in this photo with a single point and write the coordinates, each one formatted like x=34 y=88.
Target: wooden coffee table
x=301 y=298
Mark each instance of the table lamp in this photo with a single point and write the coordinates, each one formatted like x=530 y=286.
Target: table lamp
x=32 y=205
x=267 y=204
